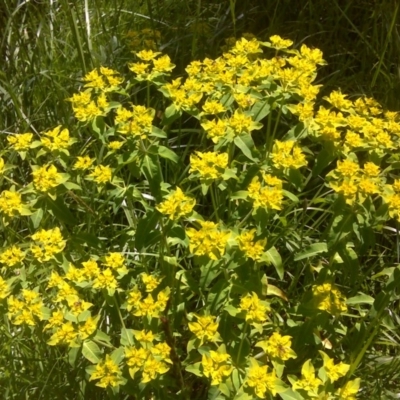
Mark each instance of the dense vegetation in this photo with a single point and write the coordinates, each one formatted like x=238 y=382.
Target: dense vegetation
x=199 y=199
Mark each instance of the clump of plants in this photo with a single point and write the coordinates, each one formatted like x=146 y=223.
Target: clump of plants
x=209 y=236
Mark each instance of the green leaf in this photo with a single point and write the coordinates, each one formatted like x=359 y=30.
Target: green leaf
x=291 y=395
x=167 y=153
x=126 y=337
x=151 y=171
x=36 y=217
x=91 y=351
x=311 y=251
x=245 y=144
x=272 y=256
x=360 y=299
x=61 y=211
x=260 y=110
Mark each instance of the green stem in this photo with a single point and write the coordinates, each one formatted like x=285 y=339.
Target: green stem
x=242 y=341
x=213 y=199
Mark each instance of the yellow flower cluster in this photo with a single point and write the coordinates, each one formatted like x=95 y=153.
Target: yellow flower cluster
x=208 y=165
x=83 y=163
x=269 y=196
x=137 y=123
x=101 y=174
x=56 y=139
x=252 y=249
x=4 y=289
x=21 y=141
x=24 y=311
x=287 y=155
x=46 y=178
x=205 y=328
x=332 y=370
x=10 y=203
x=216 y=366
x=356 y=183
x=108 y=373
x=177 y=205
x=255 y=309
x=308 y=382
x=208 y=241
x=148 y=306
x=12 y=256
x=262 y=381
x=278 y=347
x=47 y=244
x=150 y=360
x=329 y=298
x=151 y=65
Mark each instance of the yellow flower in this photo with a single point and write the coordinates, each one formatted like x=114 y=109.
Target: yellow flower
x=46 y=178
x=329 y=298
x=287 y=155
x=1 y=165
x=208 y=240
x=48 y=243
x=4 y=288
x=21 y=141
x=176 y=205
x=309 y=382
x=56 y=139
x=116 y=261
x=90 y=269
x=10 y=203
x=251 y=249
x=150 y=281
x=279 y=43
x=213 y=107
x=347 y=168
x=147 y=55
x=334 y=372
x=56 y=320
x=205 y=328
x=163 y=64
x=256 y=310
x=115 y=145
x=136 y=357
x=349 y=390
x=152 y=368
x=338 y=100
x=209 y=165
x=101 y=174
x=262 y=381
x=278 y=347
x=83 y=163
x=12 y=256
x=94 y=80
x=105 y=280
x=216 y=366
x=144 y=336
x=88 y=328
x=108 y=373
x=269 y=197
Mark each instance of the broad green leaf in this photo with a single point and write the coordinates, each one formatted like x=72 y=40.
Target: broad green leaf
x=61 y=211
x=36 y=217
x=291 y=395
x=311 y=251
x=360 y=299
x=91 y=351
x=245 y=144
x=260 y=110
x=165 y=152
